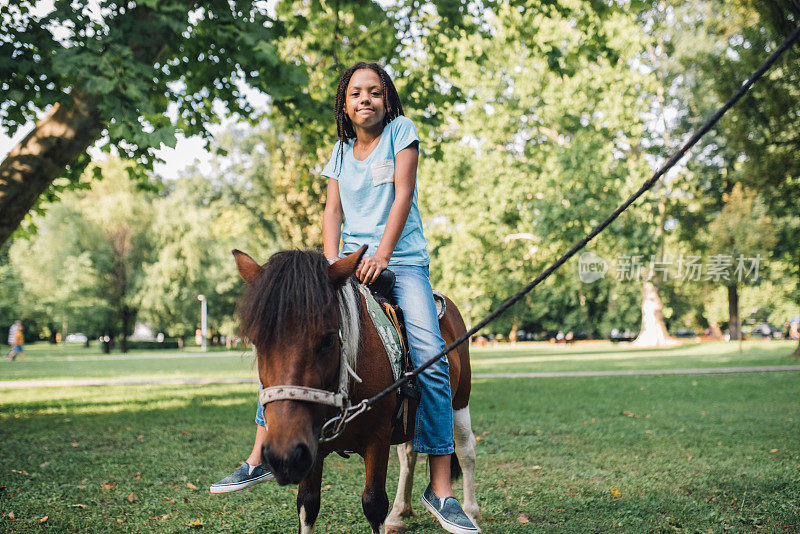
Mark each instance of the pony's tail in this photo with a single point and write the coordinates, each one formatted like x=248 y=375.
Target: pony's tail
x=455 y=467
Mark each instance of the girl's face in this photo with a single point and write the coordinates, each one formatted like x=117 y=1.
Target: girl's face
x=364 y=99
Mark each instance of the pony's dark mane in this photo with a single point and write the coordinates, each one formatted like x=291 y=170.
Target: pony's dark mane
x=293 y=287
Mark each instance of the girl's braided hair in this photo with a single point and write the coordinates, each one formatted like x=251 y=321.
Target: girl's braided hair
x=391 y=101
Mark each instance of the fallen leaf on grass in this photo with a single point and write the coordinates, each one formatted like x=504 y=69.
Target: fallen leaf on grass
x=107 y=485
x=615 y=492
x=10 y=515
x=44 y=519
x=190 y=485
x=197 y=523
x=773 y=451
x=536 y=467
x=629 y=414
x=479 y=439
x=81 y=506
x=45 y=464
x=75 y=444
x=131 y=497
x=523 y=518
x=81 y=487
x=140 y=436
x=20 y=472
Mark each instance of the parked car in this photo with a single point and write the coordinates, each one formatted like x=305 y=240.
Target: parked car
x=621 y=335
x=77 y=338
x=684 y=333
x=764 y=330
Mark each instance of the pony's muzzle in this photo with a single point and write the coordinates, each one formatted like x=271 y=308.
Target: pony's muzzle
x=294 y=465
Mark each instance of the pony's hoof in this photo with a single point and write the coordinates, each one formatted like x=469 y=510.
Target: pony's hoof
x=395 y=525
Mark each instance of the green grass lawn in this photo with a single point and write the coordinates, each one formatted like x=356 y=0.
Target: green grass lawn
x=46 y=362
x=590 y=454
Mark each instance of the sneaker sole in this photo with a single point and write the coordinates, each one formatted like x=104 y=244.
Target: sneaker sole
x=227 y=488
x=448 y=526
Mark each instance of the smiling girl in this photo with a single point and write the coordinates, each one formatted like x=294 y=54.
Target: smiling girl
x=372 y=177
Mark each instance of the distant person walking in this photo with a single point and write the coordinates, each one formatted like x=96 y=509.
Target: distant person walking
x=15 y=339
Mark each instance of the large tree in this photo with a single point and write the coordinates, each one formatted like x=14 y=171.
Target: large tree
x=110 y=72
x=544 y=148
x=85 y=266
x=712 y=46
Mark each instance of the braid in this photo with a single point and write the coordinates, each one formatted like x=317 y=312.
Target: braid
x=344 y=126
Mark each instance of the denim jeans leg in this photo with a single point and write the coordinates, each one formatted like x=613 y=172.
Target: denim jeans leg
x=260 y=409
x=433 y=432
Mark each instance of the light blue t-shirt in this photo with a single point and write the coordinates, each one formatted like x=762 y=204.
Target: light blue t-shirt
x=366 y=189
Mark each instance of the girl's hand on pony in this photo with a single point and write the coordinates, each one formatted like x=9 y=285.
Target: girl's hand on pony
x=370 y=268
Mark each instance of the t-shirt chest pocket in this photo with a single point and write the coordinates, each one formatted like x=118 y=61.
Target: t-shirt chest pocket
x=382 y=171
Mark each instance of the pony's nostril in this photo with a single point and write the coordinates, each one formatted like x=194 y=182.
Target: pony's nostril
x=291 y=468
x=299 y=456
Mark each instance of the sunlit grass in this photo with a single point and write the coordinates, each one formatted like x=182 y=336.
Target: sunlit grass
x=630 y=454
x=43 y=363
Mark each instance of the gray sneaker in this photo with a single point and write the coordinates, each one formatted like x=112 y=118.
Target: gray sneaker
x=242 y=478
x=449 y=513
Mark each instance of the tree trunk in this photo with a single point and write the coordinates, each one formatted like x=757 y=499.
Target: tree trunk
x=734 y=323
x=716 y=331
x=654 y=331
x=31 y=166
x=796 y=353
x=126 y=324
x=52 y=337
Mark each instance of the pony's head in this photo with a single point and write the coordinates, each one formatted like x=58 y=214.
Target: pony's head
x=290 y=311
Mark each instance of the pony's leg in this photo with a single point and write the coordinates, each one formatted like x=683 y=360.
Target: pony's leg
x=402 y=500
x=374 y=500
x=308 y=498
x=465 y=450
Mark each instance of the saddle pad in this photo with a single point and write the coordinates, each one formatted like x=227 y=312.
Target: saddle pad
x=386 y=331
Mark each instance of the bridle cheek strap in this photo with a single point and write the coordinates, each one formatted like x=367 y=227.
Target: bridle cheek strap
x=301 y=393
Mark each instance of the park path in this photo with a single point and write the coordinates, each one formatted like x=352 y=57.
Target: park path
x=22 y=384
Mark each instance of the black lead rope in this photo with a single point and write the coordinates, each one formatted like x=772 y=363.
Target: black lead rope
x=366 y=404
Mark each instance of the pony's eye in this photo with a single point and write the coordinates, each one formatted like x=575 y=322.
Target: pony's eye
x=327 y=341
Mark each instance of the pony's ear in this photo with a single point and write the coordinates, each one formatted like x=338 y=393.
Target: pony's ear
x=341 y=270
x=248 y=268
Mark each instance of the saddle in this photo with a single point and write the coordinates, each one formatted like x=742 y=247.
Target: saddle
x=381 y=291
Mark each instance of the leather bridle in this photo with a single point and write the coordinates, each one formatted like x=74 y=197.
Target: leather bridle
x=338 y=399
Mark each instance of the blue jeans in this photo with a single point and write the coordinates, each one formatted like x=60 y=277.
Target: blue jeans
x=433 y=431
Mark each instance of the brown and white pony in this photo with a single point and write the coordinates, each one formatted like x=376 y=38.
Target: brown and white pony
x=293 y=310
